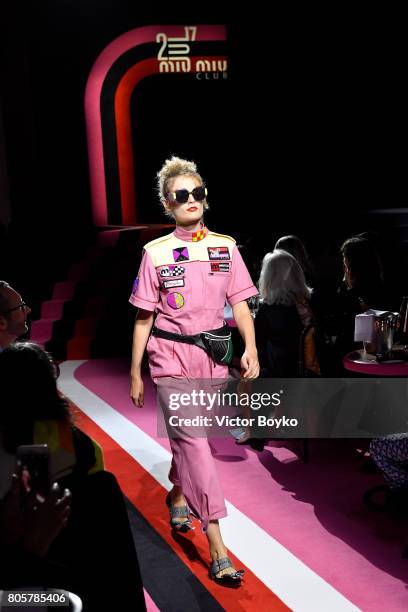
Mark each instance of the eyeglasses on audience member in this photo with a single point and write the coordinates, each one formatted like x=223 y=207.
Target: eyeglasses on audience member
x=22 y=306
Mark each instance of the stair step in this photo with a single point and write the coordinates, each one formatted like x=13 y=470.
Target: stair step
x=41 y=329
x=52 y=309
x=78 y=271
x=64 y=290
x=77 y=320
x=79 y=348
x=109 y=238
x=96 y=306
x=86 y=327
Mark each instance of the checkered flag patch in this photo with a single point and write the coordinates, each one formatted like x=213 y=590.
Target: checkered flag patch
x=177 y=271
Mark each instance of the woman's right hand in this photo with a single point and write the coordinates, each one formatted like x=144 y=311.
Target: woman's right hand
x=30 y=522
x=137 y=390
x=44 y=520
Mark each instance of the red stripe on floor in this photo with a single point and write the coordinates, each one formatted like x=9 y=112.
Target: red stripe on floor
x=148 y=496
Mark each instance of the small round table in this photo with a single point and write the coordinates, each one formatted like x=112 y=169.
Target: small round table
x=364 y=363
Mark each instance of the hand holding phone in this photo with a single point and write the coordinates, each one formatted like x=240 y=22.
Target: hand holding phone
x=33 y=468
x=33 y=521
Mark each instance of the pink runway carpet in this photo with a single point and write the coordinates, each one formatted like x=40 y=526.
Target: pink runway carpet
x=330 y=549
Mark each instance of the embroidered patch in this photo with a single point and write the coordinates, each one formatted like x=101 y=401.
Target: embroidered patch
x=172 y=270
x=165 y=271
x=175 y=300
x=135 y=286
x=180 y=254
x=176 y=270
x=222 y=266
x=177 y=282
x=218 y=253
x=200 y=235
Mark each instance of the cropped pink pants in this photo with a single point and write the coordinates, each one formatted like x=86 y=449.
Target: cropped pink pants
x=193 y=466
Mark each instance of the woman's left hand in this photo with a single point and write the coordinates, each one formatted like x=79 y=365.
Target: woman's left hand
x=250 y=364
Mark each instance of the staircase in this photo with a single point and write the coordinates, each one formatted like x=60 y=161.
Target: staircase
x=88 y=314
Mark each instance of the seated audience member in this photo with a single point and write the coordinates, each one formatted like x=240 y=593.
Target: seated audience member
x=33 y=412
x=319 y=280
x=294 y=246
x=97 y=533
x=362 y=288
x=363 y=275
x=284 y=326
x=283 y=316
x=13 y=315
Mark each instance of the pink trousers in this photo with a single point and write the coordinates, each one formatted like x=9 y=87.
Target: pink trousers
x=193 y=467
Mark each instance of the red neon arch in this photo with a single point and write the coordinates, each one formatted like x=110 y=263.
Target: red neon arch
x=124 y=131
x=93 y=91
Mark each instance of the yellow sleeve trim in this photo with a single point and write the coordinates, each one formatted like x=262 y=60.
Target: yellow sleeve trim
x=152 y=243
x=223 y=236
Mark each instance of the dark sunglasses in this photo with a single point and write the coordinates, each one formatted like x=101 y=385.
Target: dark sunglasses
x=181 y=195
x=23 y=306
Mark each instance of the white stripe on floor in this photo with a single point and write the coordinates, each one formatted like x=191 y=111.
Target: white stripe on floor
x=290 y=579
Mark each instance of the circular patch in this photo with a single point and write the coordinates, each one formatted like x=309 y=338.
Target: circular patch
x=175 y=300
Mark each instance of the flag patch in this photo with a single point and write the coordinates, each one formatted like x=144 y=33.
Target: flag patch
x=221 y=252
x=172 y=270
x=220 y=266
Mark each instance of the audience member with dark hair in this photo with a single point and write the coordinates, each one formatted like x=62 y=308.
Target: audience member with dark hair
x=362 y=288
x=363 y=274
x=40 y=415
x=97 y=534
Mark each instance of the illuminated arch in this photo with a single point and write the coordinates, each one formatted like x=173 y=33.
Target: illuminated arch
x=109 y=56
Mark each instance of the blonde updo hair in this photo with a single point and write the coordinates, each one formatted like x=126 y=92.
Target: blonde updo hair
x=173 y=167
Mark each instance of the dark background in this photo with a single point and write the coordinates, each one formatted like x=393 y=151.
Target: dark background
x=308 y=131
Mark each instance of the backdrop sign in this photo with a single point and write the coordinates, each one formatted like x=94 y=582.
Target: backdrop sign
x=195 y=51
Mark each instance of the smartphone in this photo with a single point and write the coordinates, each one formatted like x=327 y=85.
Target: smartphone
x=35 y=458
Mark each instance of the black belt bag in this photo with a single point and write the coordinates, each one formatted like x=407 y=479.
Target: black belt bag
x=216 y=342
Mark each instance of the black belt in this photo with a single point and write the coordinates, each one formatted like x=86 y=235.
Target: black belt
x=196 y=339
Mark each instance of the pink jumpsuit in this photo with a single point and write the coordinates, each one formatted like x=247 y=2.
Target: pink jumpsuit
x=186 y=278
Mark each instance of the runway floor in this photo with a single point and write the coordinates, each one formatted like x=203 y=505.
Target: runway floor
x=299 y=530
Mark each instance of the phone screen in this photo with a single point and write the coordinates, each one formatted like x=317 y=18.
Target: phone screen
x=35 y=459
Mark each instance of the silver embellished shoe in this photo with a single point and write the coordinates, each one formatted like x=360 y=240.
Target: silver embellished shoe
x=233 y=581
x=177 y=513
